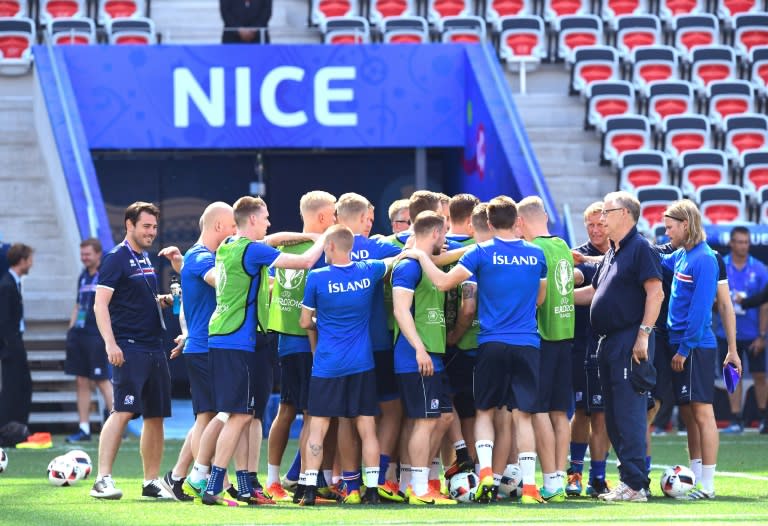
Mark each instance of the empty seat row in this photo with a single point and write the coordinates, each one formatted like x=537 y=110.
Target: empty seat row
x=403 y=30
x=50 y=10
x=719 y=204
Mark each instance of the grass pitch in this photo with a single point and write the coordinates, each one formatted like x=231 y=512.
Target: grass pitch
x=26 y=498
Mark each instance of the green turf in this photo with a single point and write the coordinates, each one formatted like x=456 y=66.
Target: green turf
x=26 y=498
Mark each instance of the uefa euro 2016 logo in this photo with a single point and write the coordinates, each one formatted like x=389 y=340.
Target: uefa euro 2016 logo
x=290 y=279
x=564 y=277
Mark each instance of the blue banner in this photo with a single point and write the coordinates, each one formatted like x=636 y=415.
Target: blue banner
x=203 y=97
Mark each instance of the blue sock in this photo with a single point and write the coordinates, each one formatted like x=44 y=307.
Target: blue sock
x=597 y=470
x=383 y=467
x=351 y=480
x=216 y=480
x=244 y=486
x=293 y=472
x=321 y=482
x=648 y=464
x=578 y=450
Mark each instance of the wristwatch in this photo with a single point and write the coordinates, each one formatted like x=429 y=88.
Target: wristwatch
x=646 y=329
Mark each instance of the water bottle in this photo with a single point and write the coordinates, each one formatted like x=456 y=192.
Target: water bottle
x=176 y=293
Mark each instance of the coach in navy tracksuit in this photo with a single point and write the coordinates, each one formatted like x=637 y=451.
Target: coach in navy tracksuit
x=626 y=295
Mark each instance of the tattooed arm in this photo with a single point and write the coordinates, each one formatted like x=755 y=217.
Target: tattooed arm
x=466 y=315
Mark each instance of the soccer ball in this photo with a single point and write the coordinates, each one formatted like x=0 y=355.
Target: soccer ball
x=463 y=486
x=83 y=461
x=3 y=460
x=511 y=483
x=677 y=481
x=63 y=471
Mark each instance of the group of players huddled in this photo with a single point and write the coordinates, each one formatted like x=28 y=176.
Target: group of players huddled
x=455 y=343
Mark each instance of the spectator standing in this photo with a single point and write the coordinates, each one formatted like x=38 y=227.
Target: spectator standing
x=245 y=21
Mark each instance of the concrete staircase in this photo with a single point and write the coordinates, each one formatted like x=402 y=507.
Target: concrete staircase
x=568 y=156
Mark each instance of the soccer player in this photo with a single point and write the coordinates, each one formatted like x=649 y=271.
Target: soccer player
x=86 y=358
x=588 y=424
x=128 y=311
x=511 y=281
x=198 y=279
x=419 y=346
x=343 y=375
x=398 y=216
x=556 y=326
x=625 y=297
x=241 y=287
x=690 y=317
x=317 y=210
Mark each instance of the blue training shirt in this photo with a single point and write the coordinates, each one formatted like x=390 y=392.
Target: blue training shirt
x=198 y=296
x=86 y=294
x=750 y=280
x=256 y=255
x=508 y=274
x=694 y=287
x=365 y=248
x=338 y=295
x=407 y=275
x=133 y=307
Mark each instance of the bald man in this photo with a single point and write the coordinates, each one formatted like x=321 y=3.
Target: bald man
x=197 y=284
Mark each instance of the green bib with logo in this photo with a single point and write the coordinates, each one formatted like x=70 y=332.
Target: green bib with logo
x=556 y=315
x=287 y=295
x=428 y=313
x=452 y=305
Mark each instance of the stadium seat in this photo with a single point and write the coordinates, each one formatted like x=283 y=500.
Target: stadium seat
x=606 y=98
x=53 y=9
x=636 y=30
x=462 y=29
x=728 y=9
x=669 y=98
x=498 y=9
x=692 y=31
x=13 y=8
x=653 y=64
x=577 y=31
x=593 y=63
x=17 y=36
x=758 y=69
x=702 y=168
x=763 y=198
x=383 y=9
x=325 y=9
x=114 y=9
x=654 y=202
x=439 y=9
x=754 y=175
x=623 y=133
x=723 y=203
x=642 y=168
x=131 y=31
x=750 y=30
x=72 y=31
x=744 y=133
x=710 y=64
x=346 y=30
x=611 y=10
x=405 y=30
x=669 y=10
x=725 y=98
x=683 y=133
x=556 y=9
x=522 y=41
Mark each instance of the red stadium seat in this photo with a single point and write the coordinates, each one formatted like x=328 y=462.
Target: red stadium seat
x=322 y=10
x=684 y=133
x=498 y=9
x=669 y=98
x=131 y=32
x=624 y=133
x=114 y=9
x=346 y=30
x=439 y=9
x=757 y=65
x=593 y=63
x=462 y=29
x=607 y=98
x=754 y=173
x=577 y=31
x=728 y=9
x=653 y=64
x=642 y=169
x=725 y=98
x=654 y=202
x=556 y=9
x=72 y=31
x=637 y=30
x=711 y=64
x=405 y=30
x=611 y=10
x=522 y=41
x=744 y=133
x=12 y=8
x=722 y=203
x=383 y=9
x=53 y=9
x=692 y=31
x=702 y=168
x=670 y=9
x=751 y=30
x=17 y=35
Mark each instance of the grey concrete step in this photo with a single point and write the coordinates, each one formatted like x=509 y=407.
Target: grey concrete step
x=63 y=397
x=59 y=417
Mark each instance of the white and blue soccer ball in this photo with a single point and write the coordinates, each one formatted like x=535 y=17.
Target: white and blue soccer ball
x=63 y=471
x=677 y=481
x=463 y=486
x=511 y=483
x=83 y=461
x=3 y=460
